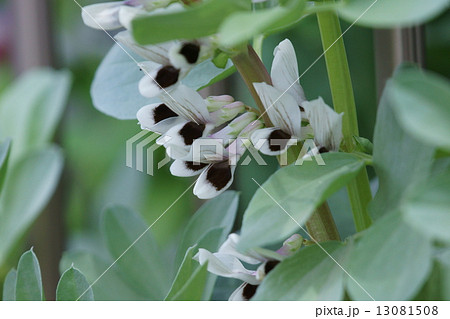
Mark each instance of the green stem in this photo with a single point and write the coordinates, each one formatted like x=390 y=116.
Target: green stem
x=320 y=225
x=252 y=70
x=344 y=101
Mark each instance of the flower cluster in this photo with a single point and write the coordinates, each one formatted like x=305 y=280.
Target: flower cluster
x=227 y=262
x=207 y=137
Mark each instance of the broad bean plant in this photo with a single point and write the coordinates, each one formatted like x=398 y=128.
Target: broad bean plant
x=288 y=246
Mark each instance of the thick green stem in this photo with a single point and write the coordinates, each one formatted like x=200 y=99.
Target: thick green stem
x=321 y=225
x=252 y=70
x=344 y=101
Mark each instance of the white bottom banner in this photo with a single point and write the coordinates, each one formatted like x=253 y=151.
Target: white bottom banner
x=200 y=310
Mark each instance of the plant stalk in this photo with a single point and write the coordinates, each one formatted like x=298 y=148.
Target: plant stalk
x=252 y=70
x=320 y=225
x=344 y=102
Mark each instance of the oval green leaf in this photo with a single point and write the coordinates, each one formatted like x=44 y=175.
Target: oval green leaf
x=73 y=286
x=391 y=13
x=391 y=261
x=29 y=280
x=274 y=213
x=310 y=274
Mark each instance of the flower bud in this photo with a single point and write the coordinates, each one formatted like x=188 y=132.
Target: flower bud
x=227 y=112
x=214 y=103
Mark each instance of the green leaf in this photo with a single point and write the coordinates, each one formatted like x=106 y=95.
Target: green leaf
x=310 y=274
x=243 y=26
x=9 y=286
x=29 y=186
x=443 y=261
x=115 y=90
x=138 y=256
x=388 y=13
x=193 y=289
x=73 y=286
x=400 y=161
x=427 y=208
x=219 y=212
x=391 y=261
x=4 y=155
x=194 y=22
x=184 y=273
x=310 y=184
x=29 y=280
x=111 y=286
x=190 y=280
x=420 y=102
x=31 y=109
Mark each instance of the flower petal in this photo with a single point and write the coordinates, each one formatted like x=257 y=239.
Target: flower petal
x=214 y=180
x=186 y=169
x=225 y=266
x=102 y=16
x=157 y=118
x=230 y=247
x=157 y=53
x=158 y=81
x=281 y=108
x=326 y=123
x=271 y=141
x=284 y=71
x=188 y=103
x=127 y=14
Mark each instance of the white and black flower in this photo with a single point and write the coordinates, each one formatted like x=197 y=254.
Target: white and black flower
x=228 y=262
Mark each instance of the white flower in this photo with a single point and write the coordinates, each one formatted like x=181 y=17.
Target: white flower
x=326 y=123
x=227 y=262
x=284 y=72
x=158 y=53
x=108 y=15
x=285 y=115
x=284 y=103
x=214 y=160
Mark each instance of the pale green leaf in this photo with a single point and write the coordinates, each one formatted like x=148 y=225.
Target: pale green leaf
x=421 y=104
x=400 y=161
x=115 y=91
x=194 y=22
x=29 y=186
x=193 y=289
x=391 y=13
x=31 y=109
x=29 y=280
x=391 y=261
x=111 y=286
x=73 y=286
x=243 y=26
x=138 y=256
x=427 y=208
x=267 y=219
x=5 y=148
x=219 y=212
x=9 y=286
x=310 y=274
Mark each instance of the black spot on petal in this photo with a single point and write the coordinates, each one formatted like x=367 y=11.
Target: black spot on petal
x=195 y=166
x=219 y=175
x=278 y=140
x=270 y=265
x=323 y=150
x=162 y=112
x=191 y=131
x=249 y=291
x=191 y=52
x=167 y=76
x=301 y=108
